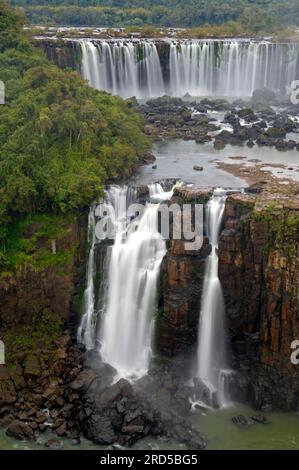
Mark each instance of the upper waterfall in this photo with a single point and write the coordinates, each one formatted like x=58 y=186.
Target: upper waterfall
x=148 y=69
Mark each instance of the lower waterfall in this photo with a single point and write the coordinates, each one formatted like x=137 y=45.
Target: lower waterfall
x=212 y=372
x=123 y=333
x=86 y=331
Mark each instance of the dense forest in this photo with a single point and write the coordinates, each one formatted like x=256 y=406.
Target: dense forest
x=255 y=14
x=60 y=139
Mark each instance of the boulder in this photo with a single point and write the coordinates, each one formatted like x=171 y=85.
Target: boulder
x=263 y=95
x=53 y=444
x=83 y=381
x=31 y=366
x=20 y=430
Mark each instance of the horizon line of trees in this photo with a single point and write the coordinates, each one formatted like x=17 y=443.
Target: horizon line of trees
x=259 y=14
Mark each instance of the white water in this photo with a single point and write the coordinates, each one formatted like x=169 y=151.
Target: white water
x=86 y=331
x=199 y=68
x=122 y=69
x=212 y=366
x=128 y=320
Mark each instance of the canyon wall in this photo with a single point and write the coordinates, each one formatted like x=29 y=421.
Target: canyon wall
x=259 y=271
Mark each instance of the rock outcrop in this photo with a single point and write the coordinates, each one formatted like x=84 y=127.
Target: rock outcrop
x=182 y=274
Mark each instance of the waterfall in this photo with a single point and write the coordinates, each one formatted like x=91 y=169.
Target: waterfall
x=198 y=67
x=124 y=336
x=212 y=369
x=123 y=68
x=86 y=331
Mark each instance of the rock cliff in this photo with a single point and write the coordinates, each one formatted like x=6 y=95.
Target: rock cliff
x=259 y=271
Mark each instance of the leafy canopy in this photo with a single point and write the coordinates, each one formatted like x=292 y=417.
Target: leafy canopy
x=60 y=140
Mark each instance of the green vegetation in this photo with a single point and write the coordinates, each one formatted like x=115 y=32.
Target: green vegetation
x=282 y=228
x=60 y=139
x=33 y=337
x=29 y=240
x=251 y=15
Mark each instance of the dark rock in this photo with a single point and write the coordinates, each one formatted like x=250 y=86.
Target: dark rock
x=20 y=430
x=247 y=114
x=198 y=168
x=232 y=119
x=255 y=188
x=259 y=419
x=275 y=132
x=263 y=95
x=148 y=158
x=31 y=366
x=61 y=430
x=83 y=381
x=240 y=420
x=53 y=444
x=99 y=429
x=285 y=145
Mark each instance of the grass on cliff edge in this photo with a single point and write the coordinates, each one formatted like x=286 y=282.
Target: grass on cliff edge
x=30 y=241
x=38 y=338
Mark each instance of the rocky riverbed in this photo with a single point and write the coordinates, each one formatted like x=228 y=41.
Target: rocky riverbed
x=266 y=120
x=76 y=394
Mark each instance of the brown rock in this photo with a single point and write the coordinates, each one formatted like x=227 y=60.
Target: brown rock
x=20 y=430
x=31 y=366
x=83 y=381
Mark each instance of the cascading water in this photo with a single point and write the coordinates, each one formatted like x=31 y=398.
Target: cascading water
x=123 y=68
x=212 y=370
x=200 y=68
x=126 y=332
x=86 y=331
x=124 y=335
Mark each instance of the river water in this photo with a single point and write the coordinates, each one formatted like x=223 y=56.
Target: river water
x=177 y=158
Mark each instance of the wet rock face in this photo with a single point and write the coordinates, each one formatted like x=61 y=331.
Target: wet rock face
x=64 y=54
x=259 y=272
x=182 y=273
x=182 y=276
